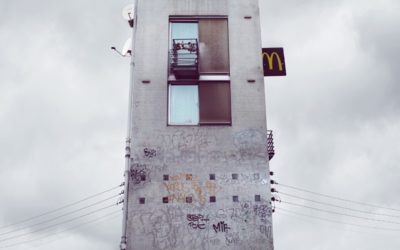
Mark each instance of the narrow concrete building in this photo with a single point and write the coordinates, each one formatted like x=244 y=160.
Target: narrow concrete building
x=198 y=160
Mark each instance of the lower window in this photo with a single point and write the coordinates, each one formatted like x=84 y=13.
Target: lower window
x=204 y=103
x=183 y=105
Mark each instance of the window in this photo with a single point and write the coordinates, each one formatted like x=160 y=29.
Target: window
x=184 y=51
x=183 y=105
x=214 y=51
x=205 y=103
x=215 y=103
x=198 y=58
x=202 y=43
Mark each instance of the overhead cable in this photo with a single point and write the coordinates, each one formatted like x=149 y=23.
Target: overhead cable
x=336 y=198
x=63 y=207
x=337 y=206
x=57 y=224
x=337 y=213
x=60 y=216
x=279 y=209
x=65 y=230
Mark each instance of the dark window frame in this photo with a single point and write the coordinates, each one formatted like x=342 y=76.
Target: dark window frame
x=198 y=83
x=197 y=19
x=227 y=112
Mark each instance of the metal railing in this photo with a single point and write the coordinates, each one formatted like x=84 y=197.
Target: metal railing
x=270 y=144
x=184 y=54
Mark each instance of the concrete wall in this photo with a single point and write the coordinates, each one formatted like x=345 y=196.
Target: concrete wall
x=189 y=154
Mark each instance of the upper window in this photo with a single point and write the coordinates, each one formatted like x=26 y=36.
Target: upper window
x=198 y=47
x=214 y=50
x=184 y=50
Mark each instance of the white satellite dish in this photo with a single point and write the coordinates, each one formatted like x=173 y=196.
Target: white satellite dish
x=127 y=49
x=128 y=13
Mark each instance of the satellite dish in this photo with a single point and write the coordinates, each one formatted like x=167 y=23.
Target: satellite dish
x=128 y=13
x=127 y=49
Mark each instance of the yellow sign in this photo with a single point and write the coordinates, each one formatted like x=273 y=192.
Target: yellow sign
x=270 y=59
x=274 y=62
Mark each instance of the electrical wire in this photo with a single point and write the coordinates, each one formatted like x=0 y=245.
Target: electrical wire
x=335 y=221
x=57 y=224
x=63 y=207
x=336 y=206
x=337 y=213
x=336 y=198
x=60 y=216
x=63 y=231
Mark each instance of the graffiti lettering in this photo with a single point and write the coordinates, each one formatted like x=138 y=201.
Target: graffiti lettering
x=150 y=153
x=262 y=211
x=215 y=242
x=184 y=185
x=196 y=221
x=221 y=227
x=232 y=238
x=138 y=175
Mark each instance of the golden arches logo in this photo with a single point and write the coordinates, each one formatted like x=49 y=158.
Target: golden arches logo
x=270 y=59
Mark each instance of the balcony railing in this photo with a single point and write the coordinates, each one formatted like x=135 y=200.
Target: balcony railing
x=183 y=59
x=270 y=144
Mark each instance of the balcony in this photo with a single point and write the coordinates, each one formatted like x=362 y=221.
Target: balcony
x=183 y=59
x=270 y=144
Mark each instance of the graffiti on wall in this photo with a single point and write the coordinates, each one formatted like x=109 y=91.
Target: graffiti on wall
x=149 y=153
x=198 y=146
x=178 y=227
x=221 y=227
x=197 y=221
x=196 y=225
x=185 y=185
x=248 y=143
x=232 y=238
x=263 y=212
x=139 y=174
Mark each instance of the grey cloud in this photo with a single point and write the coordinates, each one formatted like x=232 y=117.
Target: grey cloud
x=335 y=116
x=63 y=100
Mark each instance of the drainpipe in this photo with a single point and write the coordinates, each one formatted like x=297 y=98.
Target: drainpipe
x=128 y=141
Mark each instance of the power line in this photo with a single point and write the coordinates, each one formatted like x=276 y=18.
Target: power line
x=337 y=213
x=333 y=205
x=63 y=207
x=60 y=216
x=63 y=231
x=336 y=198
x=57 y=224
x=335 y=221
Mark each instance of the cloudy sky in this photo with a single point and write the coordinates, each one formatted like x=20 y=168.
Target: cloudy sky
x=336 y=120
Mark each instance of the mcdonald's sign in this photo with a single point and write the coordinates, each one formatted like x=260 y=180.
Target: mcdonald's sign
x=273 y=62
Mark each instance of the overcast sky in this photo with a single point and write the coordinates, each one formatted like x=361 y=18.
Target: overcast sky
x=336 y=118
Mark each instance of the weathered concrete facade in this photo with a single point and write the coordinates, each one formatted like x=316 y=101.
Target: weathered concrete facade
x=199 y=161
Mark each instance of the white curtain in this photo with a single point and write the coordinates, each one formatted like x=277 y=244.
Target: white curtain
x=183 y=105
